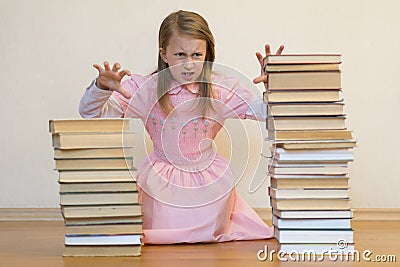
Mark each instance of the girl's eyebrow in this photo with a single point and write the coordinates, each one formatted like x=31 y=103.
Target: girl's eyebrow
x=195 y=52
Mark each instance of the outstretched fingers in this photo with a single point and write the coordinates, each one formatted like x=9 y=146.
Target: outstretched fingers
x=106 y=66
x=264 y=77
x=98 y=67
x=261 y=78
x=122 y=90
x=125 y=72
x=260 y=58
x=280 y=50
x=116 y=67
x=267 y=49
x=110 y=78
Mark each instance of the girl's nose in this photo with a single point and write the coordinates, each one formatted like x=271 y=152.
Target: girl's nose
x=188 y=65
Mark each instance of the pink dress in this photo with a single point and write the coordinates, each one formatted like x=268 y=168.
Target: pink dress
x=186 y=189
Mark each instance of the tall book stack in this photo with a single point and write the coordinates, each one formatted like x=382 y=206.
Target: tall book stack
x=98 y=193
x=311 y=150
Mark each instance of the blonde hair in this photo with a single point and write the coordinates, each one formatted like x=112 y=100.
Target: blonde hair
x=193 y=25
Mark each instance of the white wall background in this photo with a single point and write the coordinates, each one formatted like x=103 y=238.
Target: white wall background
x=47 y=48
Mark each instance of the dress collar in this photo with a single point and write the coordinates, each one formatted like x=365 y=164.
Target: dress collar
x=177 y=88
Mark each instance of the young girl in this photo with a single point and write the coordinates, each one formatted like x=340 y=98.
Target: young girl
x=185 y=188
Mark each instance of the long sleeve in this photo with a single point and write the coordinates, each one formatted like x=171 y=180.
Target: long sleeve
x=257 y=109
x=240 y=101
x=97 y=103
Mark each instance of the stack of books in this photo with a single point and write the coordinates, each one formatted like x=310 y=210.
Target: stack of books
x=98 y=191
x=311 y=149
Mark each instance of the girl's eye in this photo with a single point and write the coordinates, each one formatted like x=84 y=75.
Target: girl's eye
x=180 y=54
x=197 y=55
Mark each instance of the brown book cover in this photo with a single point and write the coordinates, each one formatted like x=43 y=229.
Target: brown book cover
x=98 y=187
x=309 y=135
x=305 y=109
x=96 y=176
x=94 y=164
x=301 y=67
x=84 y=199
x=303 y=59
x=90 y=125
x=93 y=140
x=99 y=251
x=103 y=220
x=306 y=123
x=102 y=211
x=304 y=80
x=108 y=152
x=295 y=183
x=104 y=229
x=316 y=144
x=301 y=96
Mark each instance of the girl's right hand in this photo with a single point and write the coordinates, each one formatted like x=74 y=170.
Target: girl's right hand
x=110 y=79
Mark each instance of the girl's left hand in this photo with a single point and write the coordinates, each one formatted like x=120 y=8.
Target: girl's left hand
x=264 y=76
